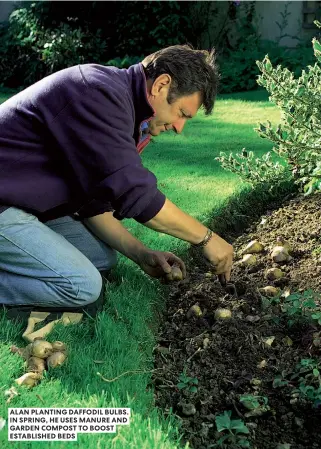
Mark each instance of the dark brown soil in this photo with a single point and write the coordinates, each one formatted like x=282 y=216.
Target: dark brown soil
x=227 y=364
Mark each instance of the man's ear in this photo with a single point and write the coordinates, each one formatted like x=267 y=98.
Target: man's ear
x=161 y=83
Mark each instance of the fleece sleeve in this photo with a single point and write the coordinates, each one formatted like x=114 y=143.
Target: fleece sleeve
x=93 y=208
x=94 y=133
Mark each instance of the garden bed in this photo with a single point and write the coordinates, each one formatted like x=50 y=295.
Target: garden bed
x=258 y=352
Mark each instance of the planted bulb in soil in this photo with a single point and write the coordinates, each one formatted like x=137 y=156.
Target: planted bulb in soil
x=223 y=314
x=206 y=342
x=262 y=364
x=188 y=409
x=280 y=254
x=281 y=242
x=253 y=247
x=249 y=260
x=269 y=291
x=195 y=310
x=273 y=274
x=286 y=293
x=268 y=341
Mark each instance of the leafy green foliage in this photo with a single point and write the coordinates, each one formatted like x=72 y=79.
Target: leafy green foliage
x=44 y=37
x=280 y=381
x=308 y=371
x=297 y=138
x=29 y=51
x=238 y=67
x=253 y=169
x=188 y=383
x=316 y=251
x=303 y=307
x=236 y=431
x=124 y=63
x=66 y=47
x=254 y=402
x=304 y=381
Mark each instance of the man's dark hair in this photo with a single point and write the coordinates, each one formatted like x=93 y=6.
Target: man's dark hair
x=191 y=71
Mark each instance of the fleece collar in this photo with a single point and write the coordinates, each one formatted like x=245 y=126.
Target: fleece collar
x=143 y=109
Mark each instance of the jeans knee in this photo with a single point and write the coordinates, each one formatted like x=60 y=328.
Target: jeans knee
x=89 y=288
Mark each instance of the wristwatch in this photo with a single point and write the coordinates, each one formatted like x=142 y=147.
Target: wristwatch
x=205 y=241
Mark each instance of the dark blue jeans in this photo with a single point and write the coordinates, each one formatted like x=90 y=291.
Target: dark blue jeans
x=50 y=264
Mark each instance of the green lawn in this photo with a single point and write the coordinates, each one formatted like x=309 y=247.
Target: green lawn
x=122 y=336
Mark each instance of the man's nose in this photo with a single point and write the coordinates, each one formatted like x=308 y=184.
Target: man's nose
x=179 y=125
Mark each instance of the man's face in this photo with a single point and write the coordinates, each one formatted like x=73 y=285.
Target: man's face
x=169 y=116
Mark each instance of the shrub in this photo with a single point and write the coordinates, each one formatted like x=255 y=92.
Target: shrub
x=239 y=70
x=65 y=47
x=237 y=62
x=29 y=52
x=297 y=138
x=42 y=37
x=124 y=63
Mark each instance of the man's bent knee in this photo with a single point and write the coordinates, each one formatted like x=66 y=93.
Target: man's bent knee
x=84 y=288
x=90 y=288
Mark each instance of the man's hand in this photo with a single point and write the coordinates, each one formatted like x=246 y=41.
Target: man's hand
x=220 y=253
x=159 y=263
x=173 y=221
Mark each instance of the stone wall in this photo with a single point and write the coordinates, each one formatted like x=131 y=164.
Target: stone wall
x=269 y=13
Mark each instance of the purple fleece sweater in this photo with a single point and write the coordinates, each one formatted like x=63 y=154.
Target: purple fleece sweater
x=70 y=144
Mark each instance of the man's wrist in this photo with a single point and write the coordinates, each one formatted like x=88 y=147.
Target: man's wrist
x=206 y=239
x=135 y=254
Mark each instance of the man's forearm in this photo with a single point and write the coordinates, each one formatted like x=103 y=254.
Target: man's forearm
x=173 y=221
x=111 y=231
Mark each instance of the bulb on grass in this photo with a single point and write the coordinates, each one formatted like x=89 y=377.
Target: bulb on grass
x=41 y=349
x=58 y=346
x=25 y=353
x=56 y=359
x=36 y=364
x=29 y=379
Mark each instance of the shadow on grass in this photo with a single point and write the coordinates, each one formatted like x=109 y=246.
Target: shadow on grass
x=244 y=208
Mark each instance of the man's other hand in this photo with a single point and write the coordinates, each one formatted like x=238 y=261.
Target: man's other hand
x=159 y=264
x=220 y=253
